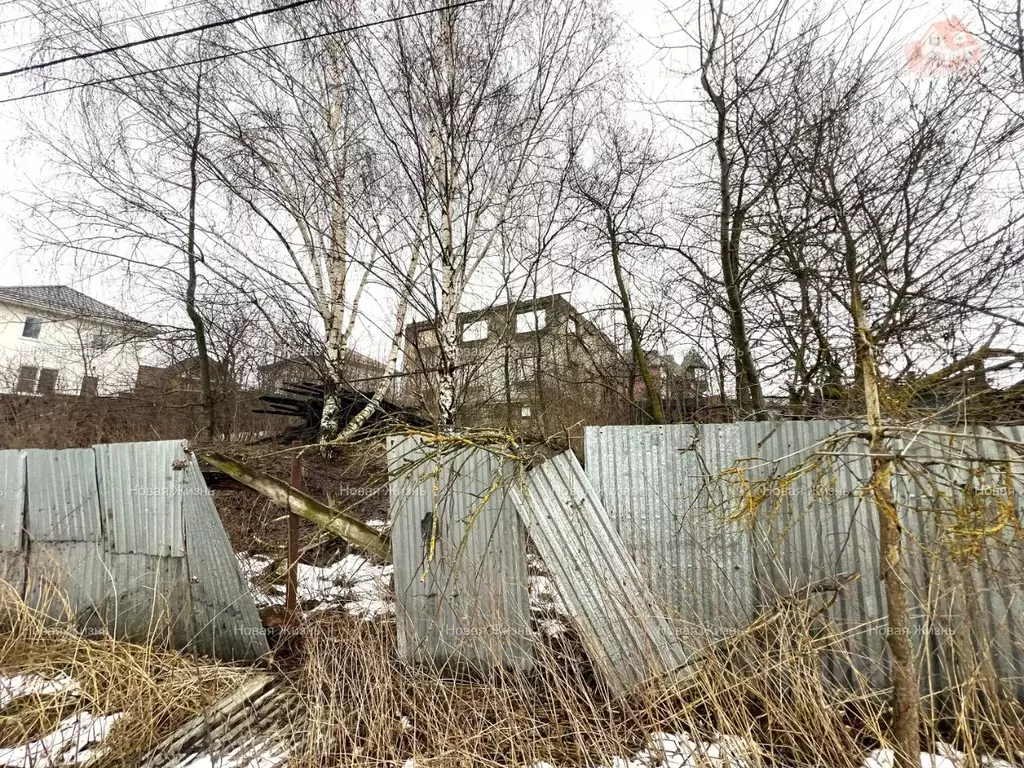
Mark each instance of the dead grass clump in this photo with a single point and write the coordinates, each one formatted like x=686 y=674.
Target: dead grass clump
x=367 y=708
x=759 y=696
x=156 y=690
x=31 y=717
x=767 y=685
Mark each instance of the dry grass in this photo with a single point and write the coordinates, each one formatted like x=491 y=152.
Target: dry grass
x=366 y=708
x=764 y=687
x=156 y=690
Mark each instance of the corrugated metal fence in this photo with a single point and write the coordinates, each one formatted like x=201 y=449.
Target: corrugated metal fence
x=724 y=519
x=460 y=558
x=124 y=539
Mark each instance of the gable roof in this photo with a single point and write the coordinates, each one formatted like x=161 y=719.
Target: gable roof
x=948 y=31
x=66 y=301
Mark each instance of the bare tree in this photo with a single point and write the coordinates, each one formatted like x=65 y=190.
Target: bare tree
x=470 y=106
x=618 y=186
x=897 y=183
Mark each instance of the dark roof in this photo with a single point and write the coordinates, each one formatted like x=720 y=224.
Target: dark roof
x=65 y=301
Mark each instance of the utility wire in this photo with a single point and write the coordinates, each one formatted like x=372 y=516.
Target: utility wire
x=221 y=57
x=5 y=22
x=155 y=38
x=112 y=23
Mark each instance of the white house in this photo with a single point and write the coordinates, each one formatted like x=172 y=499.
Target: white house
x=54 y=339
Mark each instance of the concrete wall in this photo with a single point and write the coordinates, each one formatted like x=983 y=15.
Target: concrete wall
x=570 y=374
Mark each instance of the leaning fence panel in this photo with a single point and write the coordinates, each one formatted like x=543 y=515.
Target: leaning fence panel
x=619 y=621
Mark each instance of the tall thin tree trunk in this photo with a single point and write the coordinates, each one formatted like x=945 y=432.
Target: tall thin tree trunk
x=368 y=410
x=209 y=403
x=335 y=331
x=653 y=392
x=749 y=395
x=905 y=677
x=451 y=273
x=730 y=231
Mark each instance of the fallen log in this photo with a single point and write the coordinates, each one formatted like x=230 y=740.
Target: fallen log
x=353 y=531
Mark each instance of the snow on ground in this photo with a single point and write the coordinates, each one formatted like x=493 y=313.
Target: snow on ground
x=549 y=612
x=668 y=750
x=945 y=756
x=25 y=685
x=73 y=743
x=361 y=587
x=364 y=589
x=272 y=756
x=75 y=740
x=379 y=525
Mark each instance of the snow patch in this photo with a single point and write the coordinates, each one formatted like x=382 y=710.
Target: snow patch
x=360 y=587
x=16 y=686
x=274 y=756
x=70 y=744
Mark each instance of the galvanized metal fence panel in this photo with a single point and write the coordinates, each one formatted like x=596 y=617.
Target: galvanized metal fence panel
x=813 y=524
x=801 y=487
x=147 y=600
x=224 y=621
x=620 y=622
x=12 y=524
x=460 y=558
x=12 y=500
x=88 y=511
x=141 y=486
x=63 y=496
x=664 y=491
x=68 y=581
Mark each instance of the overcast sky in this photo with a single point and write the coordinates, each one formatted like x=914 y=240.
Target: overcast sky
x=19 y=169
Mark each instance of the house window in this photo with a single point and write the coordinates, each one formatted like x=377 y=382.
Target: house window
x=27 y=376
x=90 y=386
x=47 y=381
x=475 y=331
x=525 y=412
x=570 y=326
x=99 y=340
x=33 y=325
x=528 y=322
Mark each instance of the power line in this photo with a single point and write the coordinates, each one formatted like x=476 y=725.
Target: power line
x=5 y=22
x=221 y=57
x=155 y=38
x=112 y=23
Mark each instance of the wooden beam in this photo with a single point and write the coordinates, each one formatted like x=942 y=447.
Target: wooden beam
x=353 y=531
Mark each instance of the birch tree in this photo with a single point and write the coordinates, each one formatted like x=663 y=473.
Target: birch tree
x=470 y=104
